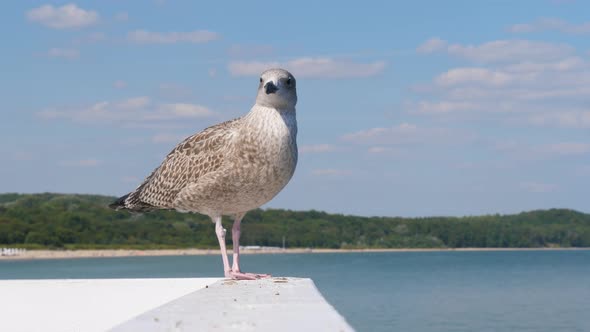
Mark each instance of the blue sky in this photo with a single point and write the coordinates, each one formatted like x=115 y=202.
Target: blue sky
x=411 y=109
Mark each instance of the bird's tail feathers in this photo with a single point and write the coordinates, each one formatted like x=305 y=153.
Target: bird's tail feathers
x=132 y=203
x=119 y=204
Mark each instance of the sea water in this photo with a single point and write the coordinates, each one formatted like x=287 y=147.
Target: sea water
x=392 y=291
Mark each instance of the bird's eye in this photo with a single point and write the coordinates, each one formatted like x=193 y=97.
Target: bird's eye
x=289 y=81
x=261 y=80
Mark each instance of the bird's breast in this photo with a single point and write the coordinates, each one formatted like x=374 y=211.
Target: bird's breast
x=270 y=144
x=267 y=156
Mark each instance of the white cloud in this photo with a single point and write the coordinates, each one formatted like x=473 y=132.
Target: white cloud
x=317 y=148
x=132 y=111
x=442 y=107
x=549 y=92
x=122 y=16
x=147 y=37
x=403 y=129
x=563 y=119
x=551 y=24
x=311 y=68
x=66 y=53
x=398 y=139
x=80 y=163
x=511 y=51
x=500 y=51
x=432 y=45
x=120 y=84
x=134 y=103
x=524 y=77
x=183 y=110
x=536 y=152
x=473 y=75
x=381 y=150
x=64 y=17
x=543 y=84
x=406 y=134
x=331 y=172
x=565 y=149
x=537 y=187
x=563 y=2
x=560 y=65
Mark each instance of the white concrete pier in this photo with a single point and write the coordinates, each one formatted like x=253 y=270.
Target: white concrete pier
x=85 y=304
x=191 y=304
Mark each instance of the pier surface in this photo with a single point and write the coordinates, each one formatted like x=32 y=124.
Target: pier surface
x=186 y=304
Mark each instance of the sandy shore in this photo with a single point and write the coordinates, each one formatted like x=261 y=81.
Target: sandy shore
x=59 y=254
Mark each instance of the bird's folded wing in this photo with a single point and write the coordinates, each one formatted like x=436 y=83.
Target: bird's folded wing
x=193 y=158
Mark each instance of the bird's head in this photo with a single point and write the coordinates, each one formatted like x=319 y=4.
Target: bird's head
x=277 y=89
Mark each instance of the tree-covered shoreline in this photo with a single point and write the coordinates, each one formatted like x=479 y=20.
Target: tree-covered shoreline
x=41 y=221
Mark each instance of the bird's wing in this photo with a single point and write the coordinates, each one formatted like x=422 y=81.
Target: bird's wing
x=193 y=158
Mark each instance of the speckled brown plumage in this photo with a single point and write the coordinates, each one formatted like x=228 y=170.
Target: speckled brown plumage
x=194 y=157
x=229 y=168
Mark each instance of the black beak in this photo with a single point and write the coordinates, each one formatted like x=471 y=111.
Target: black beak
x=270 y=87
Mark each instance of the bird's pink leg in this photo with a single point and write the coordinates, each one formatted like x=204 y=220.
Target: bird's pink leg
x=235 y=234
x=220 y=231
x=235 y=270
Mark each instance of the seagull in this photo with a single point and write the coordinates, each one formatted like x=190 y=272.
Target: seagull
x=229 y=168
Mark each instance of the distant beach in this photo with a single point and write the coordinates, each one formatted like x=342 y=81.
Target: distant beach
x=61 y=254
